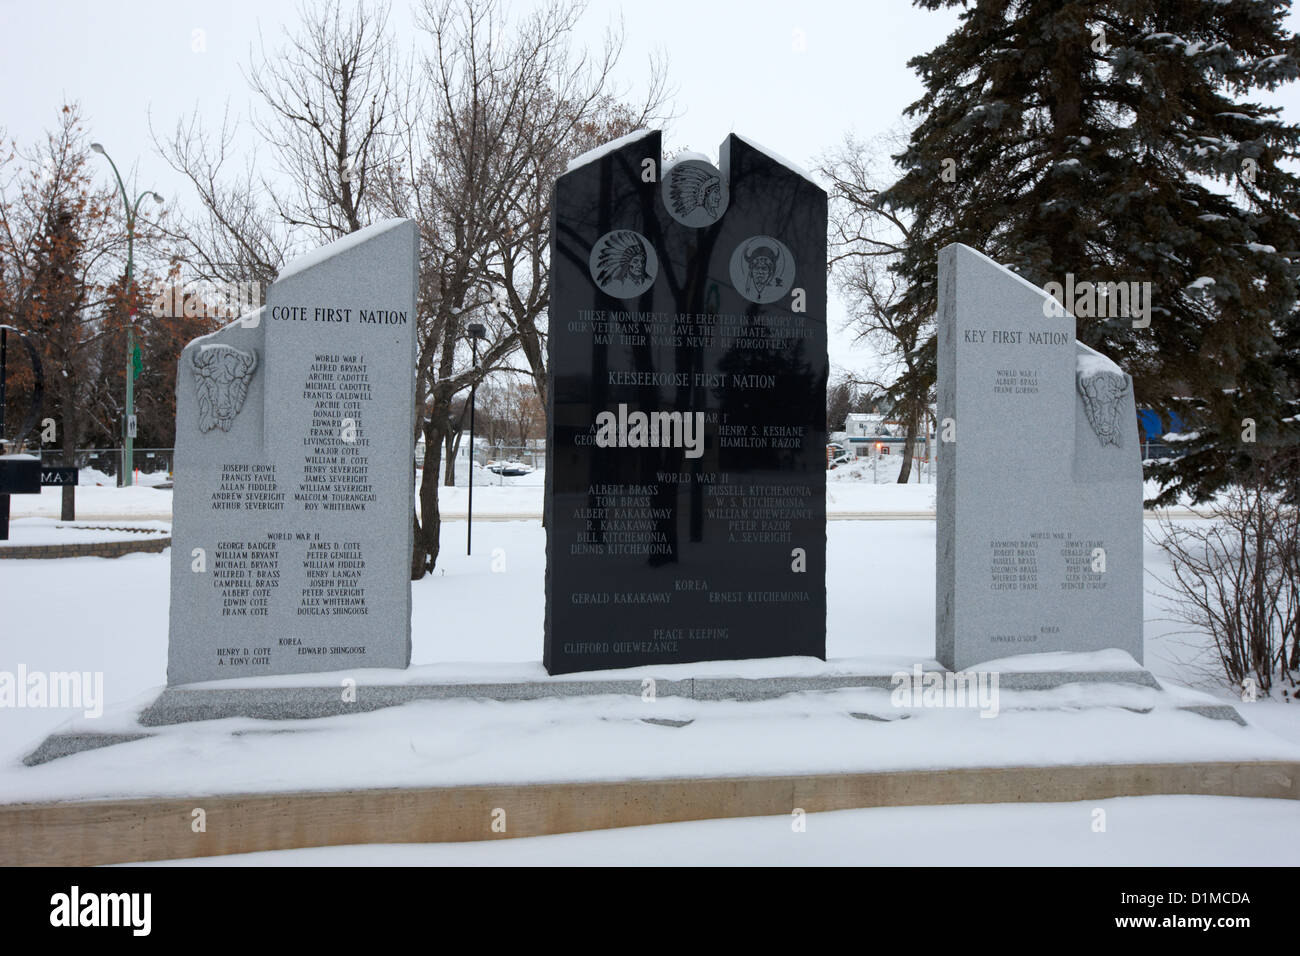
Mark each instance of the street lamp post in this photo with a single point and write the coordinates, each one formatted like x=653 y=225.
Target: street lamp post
x=128 y=421
x=476 y=331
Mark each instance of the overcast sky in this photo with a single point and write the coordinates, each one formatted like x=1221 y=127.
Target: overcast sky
x=794 y=76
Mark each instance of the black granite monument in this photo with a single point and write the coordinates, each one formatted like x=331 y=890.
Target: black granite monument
x=686 y=460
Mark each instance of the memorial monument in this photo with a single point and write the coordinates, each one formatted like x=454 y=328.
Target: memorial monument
x=1039 y=508
x=294 y=482
x=686 y=471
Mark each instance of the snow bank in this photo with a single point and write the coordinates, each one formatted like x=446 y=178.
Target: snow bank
x=467 y=742
x=36 y=532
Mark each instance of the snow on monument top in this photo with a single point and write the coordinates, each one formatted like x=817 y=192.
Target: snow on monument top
x=778 y=158
x=345 y=243
x=613 y=146
x=684 y=156
x=1090 y=362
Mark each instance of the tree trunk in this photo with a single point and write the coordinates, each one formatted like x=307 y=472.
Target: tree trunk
x=1065 y=109
x=453 y=446
x=417 y=552
x=530 y=344
x=436 y=423
x=429 y=523
x=537 y=366
x=909 y=447
x=450 y=440
x=68 y=506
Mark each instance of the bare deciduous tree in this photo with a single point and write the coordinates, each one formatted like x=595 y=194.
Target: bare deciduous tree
x=331 y=98
x=467 y=141
x=866 y=240
x=502 y=110
x=234 y=237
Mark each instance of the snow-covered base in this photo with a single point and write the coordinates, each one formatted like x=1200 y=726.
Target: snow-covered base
x=1140 y=831
x=606 y=738
x=875 y=665
x=480 y=618
x=39 y=532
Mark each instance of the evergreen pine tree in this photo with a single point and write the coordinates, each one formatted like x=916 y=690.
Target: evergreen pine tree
x=1116 y=140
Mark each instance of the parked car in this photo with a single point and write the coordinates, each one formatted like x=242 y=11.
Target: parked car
x=509 y=469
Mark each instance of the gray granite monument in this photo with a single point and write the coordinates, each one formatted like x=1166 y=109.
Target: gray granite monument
x=1040 y=477
x=294 y=483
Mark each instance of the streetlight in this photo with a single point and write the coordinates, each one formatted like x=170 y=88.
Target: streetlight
x=128 y=423
x=476 y=331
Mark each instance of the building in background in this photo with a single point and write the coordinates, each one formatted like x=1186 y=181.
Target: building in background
x=874 y=432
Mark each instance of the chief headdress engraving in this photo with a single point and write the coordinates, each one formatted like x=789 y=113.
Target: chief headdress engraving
x=623 y=263
x=621 y=259
x=695 y=187
x=1102 y=393
x=221 y=377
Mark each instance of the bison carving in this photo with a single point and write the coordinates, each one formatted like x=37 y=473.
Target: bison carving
x=221 y=377
x=1102 y=394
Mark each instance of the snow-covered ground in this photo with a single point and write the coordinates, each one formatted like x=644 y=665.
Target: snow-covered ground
x=473 y=623
x=145 y=479
x=98 y=498
x=98 y=502
x=478 y=618
x=881 y=470
x=31 y=532
x=1140 y=831
x=863 y=487
x=850 y=489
